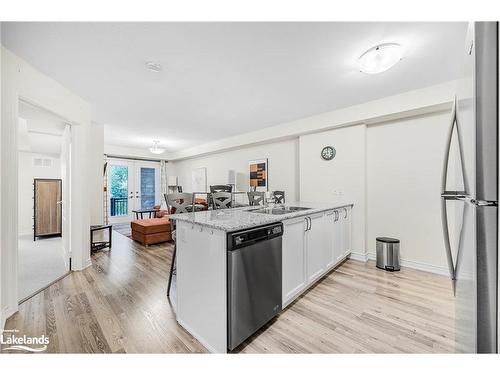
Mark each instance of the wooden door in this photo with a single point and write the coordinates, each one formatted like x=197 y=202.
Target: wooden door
x=48 y=207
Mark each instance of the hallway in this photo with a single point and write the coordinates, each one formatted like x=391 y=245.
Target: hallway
x=40 y=263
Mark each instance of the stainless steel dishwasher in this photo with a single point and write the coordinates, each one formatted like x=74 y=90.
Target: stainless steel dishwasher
x=253 y=280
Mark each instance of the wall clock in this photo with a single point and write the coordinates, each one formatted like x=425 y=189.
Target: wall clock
x=328 y=153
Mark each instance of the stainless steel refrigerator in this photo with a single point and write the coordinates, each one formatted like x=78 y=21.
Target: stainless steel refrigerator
x=470 y=193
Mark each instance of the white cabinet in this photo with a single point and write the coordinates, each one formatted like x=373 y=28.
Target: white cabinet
x=337 y=237
x=312 y=246
x=330 y=256
x=315 y=247
x=293 y=258
x=345 y=220
x=337 y=234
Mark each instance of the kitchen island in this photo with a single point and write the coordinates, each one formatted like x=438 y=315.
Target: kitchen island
x=316 y=238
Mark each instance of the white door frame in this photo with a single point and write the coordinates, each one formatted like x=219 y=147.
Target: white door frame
x=65 y=165
x=134 y=186
x=21 y=81
x=66 y=195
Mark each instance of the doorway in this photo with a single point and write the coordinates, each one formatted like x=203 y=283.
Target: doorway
x=132 y=185
x=43 y=199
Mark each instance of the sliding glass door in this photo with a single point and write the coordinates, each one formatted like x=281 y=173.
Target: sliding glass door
x=132 y=185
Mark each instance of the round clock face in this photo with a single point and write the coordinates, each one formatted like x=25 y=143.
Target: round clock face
x=328 y=153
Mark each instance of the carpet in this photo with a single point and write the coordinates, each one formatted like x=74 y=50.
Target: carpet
x=40 y=263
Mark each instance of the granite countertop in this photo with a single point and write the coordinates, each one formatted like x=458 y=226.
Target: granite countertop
x=230 y=220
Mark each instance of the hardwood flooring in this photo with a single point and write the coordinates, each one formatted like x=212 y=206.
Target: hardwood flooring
x=119 y=305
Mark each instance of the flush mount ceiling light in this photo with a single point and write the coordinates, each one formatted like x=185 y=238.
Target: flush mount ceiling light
x=153 y=66
x=155 y=149
x=380 y=58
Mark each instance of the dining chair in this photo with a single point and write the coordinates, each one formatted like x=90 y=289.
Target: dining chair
x=219 y=188
x=221 y=200
x=279 y=196
x=255 y=198
x=178 y=203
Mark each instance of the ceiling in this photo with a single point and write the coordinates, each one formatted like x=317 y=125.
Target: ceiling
x=39 y=131
x=225 y=79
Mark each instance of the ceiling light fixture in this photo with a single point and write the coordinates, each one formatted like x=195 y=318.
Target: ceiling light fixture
x=155 y=149
x=380 y=58
x=153 y=66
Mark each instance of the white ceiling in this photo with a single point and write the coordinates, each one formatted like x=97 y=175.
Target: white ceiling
x=39 y=131
x=224 y=79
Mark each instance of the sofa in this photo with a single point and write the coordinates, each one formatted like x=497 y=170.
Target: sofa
x=151 y=231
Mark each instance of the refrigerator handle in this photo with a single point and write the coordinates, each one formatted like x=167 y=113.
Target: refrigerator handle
x=446 y=235
x=444 y=174
x=444 y=213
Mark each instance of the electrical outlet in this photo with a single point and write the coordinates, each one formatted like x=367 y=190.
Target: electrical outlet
x=338 y=192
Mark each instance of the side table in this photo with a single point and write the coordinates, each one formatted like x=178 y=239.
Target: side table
x=99 y=245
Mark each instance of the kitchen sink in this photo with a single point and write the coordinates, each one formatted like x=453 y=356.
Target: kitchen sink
x=278 y=210
x=293 y=208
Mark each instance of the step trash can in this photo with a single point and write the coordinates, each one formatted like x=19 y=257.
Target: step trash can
x=388 y=254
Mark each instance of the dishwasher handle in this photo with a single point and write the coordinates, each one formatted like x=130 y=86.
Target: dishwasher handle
x=252 y=236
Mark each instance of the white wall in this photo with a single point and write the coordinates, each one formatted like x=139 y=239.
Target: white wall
x=365 y=158
x=130 y=152
x=391 y=171
x=404 y=163
x=339 y=180
x=96 y=164
x=411 y=103
x=283 y=167
x=22 y=81
x=28 y=172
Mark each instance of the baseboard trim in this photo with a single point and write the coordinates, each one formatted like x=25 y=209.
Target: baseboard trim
x=88 y=263
x=202 y=341
x=362 y=257
x=421 y=266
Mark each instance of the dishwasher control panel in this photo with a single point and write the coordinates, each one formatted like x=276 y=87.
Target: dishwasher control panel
x=247 y=237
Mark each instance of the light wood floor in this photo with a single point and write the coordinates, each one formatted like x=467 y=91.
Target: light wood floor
x=119 y=305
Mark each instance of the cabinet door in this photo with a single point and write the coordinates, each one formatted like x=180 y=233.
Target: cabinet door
x=294 y=271
x=346 y=231
x=315 y=247
x=338 y=246
x=330 y=256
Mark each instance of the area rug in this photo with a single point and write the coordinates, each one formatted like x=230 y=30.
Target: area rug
x=123 y=228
